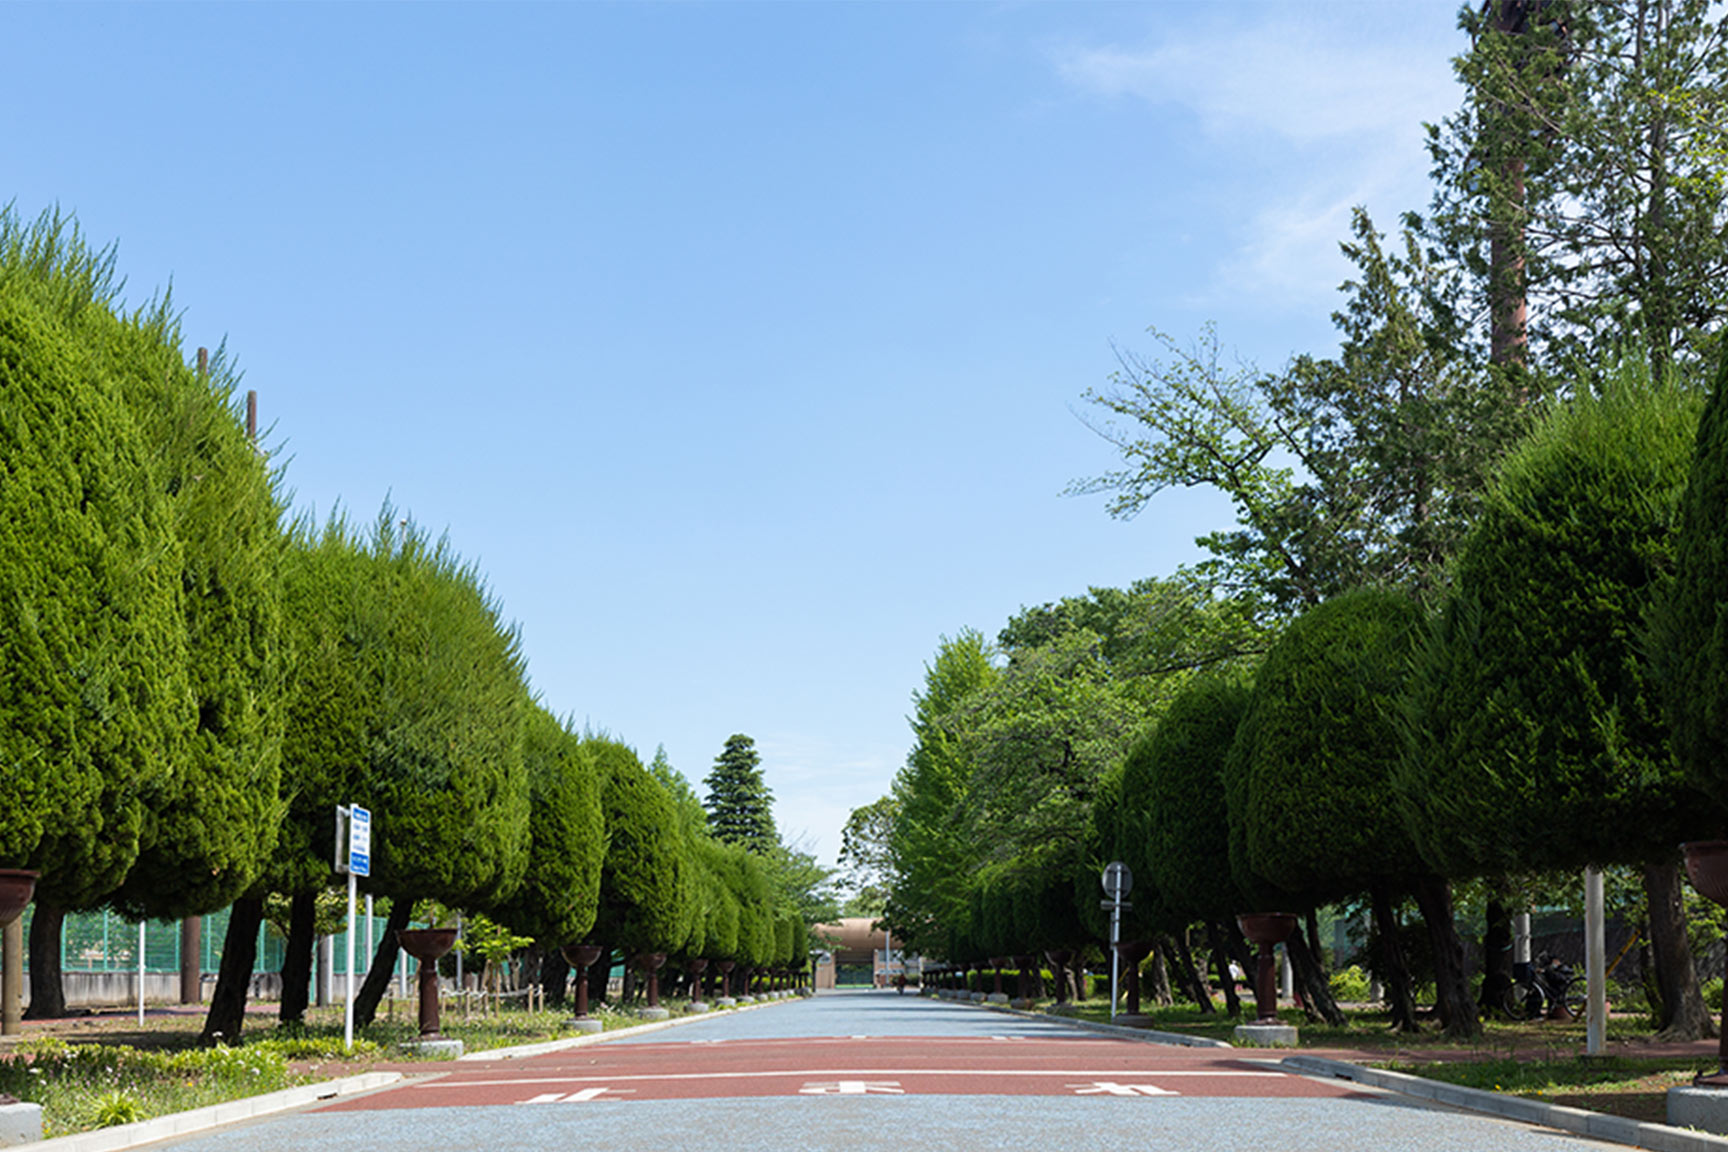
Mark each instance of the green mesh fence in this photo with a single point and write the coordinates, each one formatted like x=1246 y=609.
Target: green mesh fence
x=106 y=942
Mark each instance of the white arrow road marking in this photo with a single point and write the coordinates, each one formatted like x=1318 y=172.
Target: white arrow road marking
x=853 y=1088
x=581 y=1097
x=1111 y=1088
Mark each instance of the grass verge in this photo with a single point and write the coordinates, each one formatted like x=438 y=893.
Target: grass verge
x=1634 y=1087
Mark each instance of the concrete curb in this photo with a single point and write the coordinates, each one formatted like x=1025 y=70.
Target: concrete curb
x=199 y=1119
x=1595 y=1125
x=586 y=1038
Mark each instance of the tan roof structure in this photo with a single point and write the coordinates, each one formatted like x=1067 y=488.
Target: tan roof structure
x=853 y=940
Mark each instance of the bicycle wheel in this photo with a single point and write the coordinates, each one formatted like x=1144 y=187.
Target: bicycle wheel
x=1523 y=1000
x=1576 y=997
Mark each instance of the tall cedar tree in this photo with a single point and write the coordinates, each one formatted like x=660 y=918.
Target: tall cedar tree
x=740 y=807
x=1581 y=183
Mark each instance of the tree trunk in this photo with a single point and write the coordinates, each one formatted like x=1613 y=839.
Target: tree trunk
x=1194 y=981
x=297 y=958
x=1221 y=962
x=600 y=976
x=555 y=978
x=47 y=990
x=1496 y=950
x=1394 y=972
x=1451 y=982
x=1683 y=1015
x=227 y=1015
x=1317 y=1000
x=383 y=967
x=1647 y=968
x=1160 y=974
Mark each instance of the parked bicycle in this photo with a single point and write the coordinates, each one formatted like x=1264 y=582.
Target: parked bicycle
x=1537 y=988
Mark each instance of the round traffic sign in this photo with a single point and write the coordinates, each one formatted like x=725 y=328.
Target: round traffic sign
x=1118 y=880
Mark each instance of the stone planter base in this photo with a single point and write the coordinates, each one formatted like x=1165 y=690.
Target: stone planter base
x=20 y=1123
x=1269 y=1036
x=998 y=998
x=586 y=1024
x=727 y=1002
x=653 y=1014
x=1694 y=1107
x=698 y=1006
x=440 y=1049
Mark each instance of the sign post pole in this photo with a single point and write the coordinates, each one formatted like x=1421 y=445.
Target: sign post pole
x=1118 y=882
x=353 y=857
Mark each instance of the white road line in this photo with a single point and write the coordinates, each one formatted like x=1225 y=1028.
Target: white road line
x=853 y=1088
x=837 y=1073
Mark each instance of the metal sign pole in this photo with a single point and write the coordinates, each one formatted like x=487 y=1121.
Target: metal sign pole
x=1118 y=882
x=348 y=1012
x=354 y=858
x=1115 y=955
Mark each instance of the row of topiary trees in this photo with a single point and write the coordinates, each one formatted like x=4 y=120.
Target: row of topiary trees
x=194 y=682
x=1385 y=745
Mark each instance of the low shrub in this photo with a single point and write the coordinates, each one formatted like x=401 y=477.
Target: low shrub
x=1350 y=985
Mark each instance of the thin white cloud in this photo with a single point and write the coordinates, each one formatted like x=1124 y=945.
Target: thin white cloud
x=1332 y=103
x=1303 y=82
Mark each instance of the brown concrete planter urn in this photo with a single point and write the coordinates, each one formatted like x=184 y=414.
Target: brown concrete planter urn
x=427 y=945
x=1266 y=929
x=581 y=957
x=651 y=963
x=1132 y=953
x=17 y=886
x=1025 y=964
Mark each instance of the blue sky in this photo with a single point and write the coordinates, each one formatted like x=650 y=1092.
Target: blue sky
x=739 y=344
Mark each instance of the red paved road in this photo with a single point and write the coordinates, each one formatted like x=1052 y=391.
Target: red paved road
x=1008 y=1066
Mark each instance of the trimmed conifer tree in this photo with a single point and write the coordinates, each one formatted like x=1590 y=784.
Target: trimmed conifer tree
x=97 y=711
x=559 y=894
x=1537 y=740
x=1312 y=762
x=1689 y=642
x=1173 y=792
x=645 y=893
x=409 y=700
